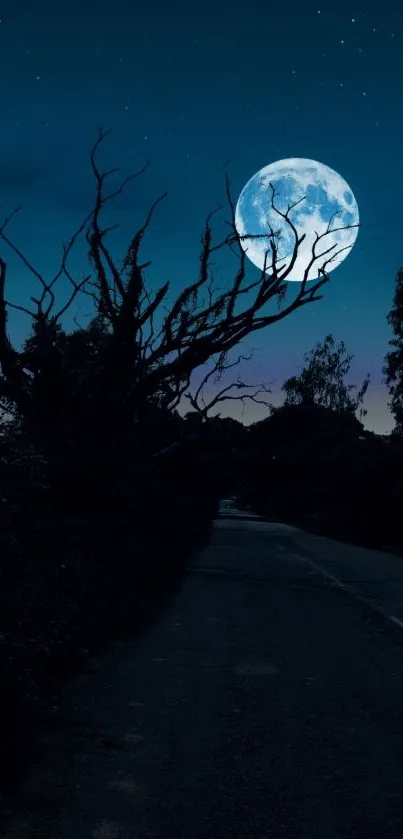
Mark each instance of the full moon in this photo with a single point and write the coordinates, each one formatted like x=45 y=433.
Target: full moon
x=324 y=193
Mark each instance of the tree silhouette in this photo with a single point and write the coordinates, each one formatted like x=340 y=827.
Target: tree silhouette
x=393 y=368
x=321 y=381
x=120 y=363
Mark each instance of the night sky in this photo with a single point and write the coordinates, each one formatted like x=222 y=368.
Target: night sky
x=192 y=86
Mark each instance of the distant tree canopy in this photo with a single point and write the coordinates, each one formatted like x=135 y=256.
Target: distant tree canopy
x=393 y=368
x=321 y=382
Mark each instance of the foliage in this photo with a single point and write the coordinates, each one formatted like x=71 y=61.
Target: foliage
x=321 y=382
x=393 y=368
x=320 y=469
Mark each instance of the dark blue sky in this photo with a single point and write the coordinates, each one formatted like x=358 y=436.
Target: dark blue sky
x=191 y=86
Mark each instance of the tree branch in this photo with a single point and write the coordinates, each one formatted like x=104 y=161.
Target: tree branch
x=222 y=395
x=192 y=332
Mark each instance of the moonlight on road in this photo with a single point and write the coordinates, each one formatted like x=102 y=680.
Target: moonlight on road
x=324 y=192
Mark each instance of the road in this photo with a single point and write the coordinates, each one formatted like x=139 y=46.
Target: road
x=267 y=702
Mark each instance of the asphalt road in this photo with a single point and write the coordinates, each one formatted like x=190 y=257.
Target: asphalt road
x=267 y=702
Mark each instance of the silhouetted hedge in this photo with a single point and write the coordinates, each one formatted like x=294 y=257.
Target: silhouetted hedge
x=320 y=470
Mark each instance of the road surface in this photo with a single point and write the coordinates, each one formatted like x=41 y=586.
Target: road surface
x=267 y=702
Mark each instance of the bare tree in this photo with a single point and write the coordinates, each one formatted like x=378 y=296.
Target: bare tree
x=139 y=363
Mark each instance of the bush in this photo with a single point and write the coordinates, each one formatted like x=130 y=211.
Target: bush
x=89 y=540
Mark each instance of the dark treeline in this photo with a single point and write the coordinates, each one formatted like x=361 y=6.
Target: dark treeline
x=318 y=469
x=106 y=490
x=312 y=463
